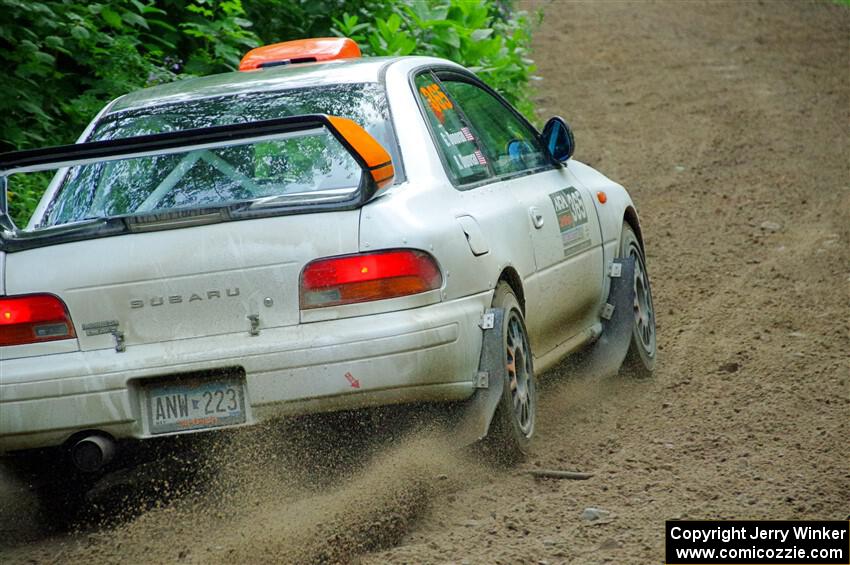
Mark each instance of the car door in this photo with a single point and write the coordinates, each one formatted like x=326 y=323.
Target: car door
x=563 y=296
x=494 y=222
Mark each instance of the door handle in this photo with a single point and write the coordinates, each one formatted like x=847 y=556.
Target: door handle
x=536 y=217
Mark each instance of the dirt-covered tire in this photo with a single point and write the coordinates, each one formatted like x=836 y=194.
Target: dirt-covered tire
x=643 y=349
x=512 y=428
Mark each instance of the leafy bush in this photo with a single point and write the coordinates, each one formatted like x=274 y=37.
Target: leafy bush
x=64 y=59
x=488 y=38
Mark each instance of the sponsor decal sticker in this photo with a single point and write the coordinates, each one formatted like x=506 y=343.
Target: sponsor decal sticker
x=476 y=159
x=457 y=137
x=437 y=100
x=572 y=220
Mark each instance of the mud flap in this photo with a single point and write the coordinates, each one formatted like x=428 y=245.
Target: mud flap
x=474 y=415
x=604 y=357
x=607 y=354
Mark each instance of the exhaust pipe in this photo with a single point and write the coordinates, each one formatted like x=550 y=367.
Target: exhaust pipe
x=92 y=452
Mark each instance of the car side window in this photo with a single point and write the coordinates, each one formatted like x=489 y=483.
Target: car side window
x=461 y=150
x=510 y=144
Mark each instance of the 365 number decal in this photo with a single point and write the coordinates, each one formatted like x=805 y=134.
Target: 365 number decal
x=437 y=100
x=572 y=220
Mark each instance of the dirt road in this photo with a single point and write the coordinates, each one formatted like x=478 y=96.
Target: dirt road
x=729 y=124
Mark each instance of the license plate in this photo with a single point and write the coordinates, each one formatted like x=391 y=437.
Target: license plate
x=195 y=404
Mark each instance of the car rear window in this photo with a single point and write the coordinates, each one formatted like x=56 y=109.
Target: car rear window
x=299 y=167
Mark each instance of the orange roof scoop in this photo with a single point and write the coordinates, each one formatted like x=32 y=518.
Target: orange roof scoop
x=299 y=51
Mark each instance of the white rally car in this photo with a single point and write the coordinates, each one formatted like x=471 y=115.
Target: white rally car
x=317 y=232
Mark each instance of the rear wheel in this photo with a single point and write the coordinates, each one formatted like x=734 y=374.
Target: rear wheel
x=643 y=349
x=512 y=428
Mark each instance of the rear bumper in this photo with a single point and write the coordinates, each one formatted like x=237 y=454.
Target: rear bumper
x=424 y=354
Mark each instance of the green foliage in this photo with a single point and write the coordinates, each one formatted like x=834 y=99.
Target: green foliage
x=24 y=193
x=488 y=38
x=281 y=20
x=65 y=59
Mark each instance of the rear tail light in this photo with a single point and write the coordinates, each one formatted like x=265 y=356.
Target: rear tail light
x=33 y=319
x=368 y=276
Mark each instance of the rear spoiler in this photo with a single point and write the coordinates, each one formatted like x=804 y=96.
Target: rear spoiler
x=367 y=152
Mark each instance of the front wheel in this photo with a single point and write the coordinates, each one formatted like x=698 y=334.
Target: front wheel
x=512 y=428
x=643 y=348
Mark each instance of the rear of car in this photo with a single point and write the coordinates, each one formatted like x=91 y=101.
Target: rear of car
x=200 y=282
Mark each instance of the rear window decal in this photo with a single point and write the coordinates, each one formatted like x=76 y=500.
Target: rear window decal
x=476 y=159
x=572 y=220
x=437 y=99
x=457 y=137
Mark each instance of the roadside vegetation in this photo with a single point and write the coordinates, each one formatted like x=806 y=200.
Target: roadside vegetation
x=64 y=59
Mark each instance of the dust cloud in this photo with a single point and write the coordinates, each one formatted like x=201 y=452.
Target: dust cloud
x=314 y=490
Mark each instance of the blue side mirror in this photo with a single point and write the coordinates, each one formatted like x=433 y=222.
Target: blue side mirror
x=558 y=139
